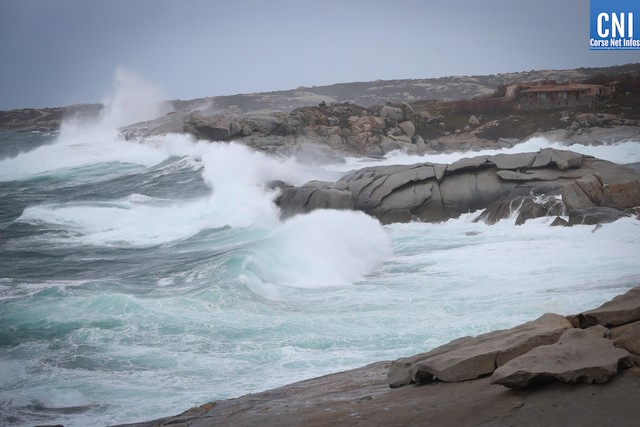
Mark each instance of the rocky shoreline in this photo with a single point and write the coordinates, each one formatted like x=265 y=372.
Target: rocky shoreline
x=592 y=190
x=581 y=369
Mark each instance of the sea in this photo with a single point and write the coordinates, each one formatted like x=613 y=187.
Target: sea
x=141 y=278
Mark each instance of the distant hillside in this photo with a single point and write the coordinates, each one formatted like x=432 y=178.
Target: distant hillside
x=380 y=92
x=365 y=94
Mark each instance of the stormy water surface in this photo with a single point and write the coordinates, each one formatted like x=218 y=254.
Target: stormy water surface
x=141 y=278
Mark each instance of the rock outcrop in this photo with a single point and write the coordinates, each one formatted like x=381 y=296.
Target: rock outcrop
x=621 y=310
x=580 y=355
x=549 y=348
x=472 y=357
x=362 y=395
x=436 y=192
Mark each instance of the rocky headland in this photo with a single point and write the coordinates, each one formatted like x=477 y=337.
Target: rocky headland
x=582 y=369
x=546 y=183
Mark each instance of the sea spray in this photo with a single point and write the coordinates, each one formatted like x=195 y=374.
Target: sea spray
x=140 y=278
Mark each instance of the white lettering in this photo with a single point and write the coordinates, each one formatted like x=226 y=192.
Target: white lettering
x=617 y=24
x=602 y=33
x=630 y=34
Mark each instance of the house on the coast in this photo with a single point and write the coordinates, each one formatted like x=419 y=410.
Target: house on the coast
x=542 y=95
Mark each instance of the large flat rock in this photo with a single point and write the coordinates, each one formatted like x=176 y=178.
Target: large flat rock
x=580 y=355
x=471 y=357
x=620 y=310
x=360 y=397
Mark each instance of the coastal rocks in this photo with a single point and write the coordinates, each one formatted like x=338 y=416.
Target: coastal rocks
x=619 y=311
x=313 y=195
x=580 y=355
x=471 y=357
x=596 y=215
x=590 y=191
x=436 y=192
x=363 y=396
x=526 y=207
x=578 y=348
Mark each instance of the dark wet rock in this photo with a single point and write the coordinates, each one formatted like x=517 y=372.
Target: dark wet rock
x=311 y=196
x=526 y=207
x=592 y=216
x=559 y=222
x=471 y=357
x=622 y=309
x=580 y=355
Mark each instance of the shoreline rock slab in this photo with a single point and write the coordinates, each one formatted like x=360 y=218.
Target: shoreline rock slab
x=472 y=357
x=362 y=396
x=580 y=355
x=622 y=309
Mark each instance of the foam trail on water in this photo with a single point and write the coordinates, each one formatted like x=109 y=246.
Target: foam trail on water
x=621 y=153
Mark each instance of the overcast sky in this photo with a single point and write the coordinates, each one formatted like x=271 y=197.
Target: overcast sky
x=60 y=52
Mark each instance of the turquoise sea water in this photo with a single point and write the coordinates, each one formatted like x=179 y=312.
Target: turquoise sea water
x=138 y=279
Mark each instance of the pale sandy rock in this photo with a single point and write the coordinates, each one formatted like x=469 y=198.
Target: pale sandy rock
x=580 y=355
x=622 y=309
x=408 y=128
x=471 y=357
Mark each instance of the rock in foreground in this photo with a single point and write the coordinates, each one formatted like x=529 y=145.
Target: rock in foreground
x=362 y=396
x=580 y=355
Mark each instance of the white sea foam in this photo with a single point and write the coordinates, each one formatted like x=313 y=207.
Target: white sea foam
x=339 y=290
x=621 y=153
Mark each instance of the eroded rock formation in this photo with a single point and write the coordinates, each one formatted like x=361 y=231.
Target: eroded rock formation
x=578 y=348
x=436 y=192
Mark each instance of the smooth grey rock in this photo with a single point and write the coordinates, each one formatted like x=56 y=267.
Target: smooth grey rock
x=408 y=128
x=393 y=113
x=471 y=357
x=580 y=355
x=513 y=161
x=559 y=158
x=585 y=192
x=622 y=309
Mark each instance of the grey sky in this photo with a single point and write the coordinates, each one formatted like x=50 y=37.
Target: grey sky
x=60 y=52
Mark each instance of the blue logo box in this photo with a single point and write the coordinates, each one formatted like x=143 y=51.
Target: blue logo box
x=614 y=25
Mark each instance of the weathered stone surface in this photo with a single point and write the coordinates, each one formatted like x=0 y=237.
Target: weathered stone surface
x=311 y=196
x=408 y=128
x=627 y=336
x=526 y=207
x=585 y=192
x=393 y=113
x=580 y=355
x=621 y=195
x=513 y=161
x=592 y=216
x=559 y=158
x=622 y=309
x=471 y=357
x=470 y=184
